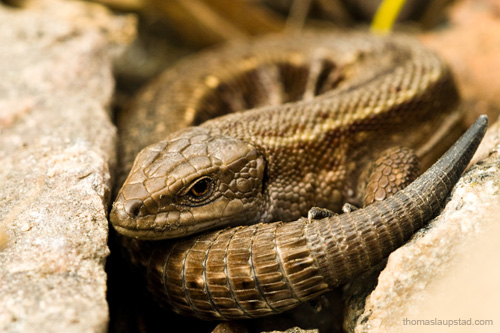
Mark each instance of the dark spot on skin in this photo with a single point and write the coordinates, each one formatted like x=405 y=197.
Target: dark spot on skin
x=253 y=305
x=265 y=180
x=193 y=285
x=244 y=285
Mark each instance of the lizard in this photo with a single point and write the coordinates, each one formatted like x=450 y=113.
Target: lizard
x=331 y=120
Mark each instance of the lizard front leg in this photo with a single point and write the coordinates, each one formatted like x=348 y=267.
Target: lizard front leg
x=394 y=169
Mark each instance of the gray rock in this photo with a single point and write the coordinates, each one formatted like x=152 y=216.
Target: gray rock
x=449 y=270
x=57 y=148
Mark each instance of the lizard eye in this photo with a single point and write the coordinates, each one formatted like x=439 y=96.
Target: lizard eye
x=201 y=189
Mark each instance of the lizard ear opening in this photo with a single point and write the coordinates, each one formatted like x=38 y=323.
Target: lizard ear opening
x=265 y=177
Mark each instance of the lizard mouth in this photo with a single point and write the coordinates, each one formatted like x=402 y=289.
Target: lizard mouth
x=144 y=234
x=153 y=227
x=161 y=233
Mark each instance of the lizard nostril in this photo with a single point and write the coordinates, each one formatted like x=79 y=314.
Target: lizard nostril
x=133 y=207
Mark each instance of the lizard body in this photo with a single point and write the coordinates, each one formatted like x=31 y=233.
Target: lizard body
x=333 y=119
x=348 y=99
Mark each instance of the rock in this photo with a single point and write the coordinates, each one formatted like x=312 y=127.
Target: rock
x=57 y=151
x=448 y=270
x=230 y=327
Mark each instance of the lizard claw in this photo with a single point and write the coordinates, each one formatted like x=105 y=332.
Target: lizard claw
x=317 y=213
x=347 y=208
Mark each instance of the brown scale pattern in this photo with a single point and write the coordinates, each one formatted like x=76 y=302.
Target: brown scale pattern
x=258 y=270
x=340 y=146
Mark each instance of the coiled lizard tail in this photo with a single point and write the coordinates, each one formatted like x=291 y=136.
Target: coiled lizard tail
x=263 y=269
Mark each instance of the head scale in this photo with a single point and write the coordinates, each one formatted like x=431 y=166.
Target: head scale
x=194 y=182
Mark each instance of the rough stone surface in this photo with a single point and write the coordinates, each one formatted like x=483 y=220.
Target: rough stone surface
x=57 y=147
x=449 y=270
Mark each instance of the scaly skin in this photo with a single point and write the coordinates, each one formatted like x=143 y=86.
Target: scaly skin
x=264 y=269
x=360 y=112
x=274 y=163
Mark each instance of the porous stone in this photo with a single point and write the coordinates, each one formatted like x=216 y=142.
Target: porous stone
x=57 y=148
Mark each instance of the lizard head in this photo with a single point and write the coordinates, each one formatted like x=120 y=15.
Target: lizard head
x=193 y=182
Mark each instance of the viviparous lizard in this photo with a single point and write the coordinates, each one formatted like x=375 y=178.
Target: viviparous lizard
x=332 y=119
